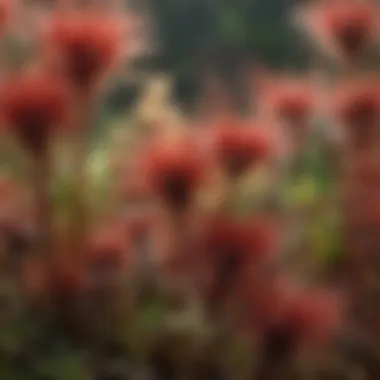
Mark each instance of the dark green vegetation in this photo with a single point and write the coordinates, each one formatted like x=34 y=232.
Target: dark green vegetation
x=224 y=37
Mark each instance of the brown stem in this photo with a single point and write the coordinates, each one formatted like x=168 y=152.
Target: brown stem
x=80 y=216
x=41 y=184
x=80 y=206
x=230 y=187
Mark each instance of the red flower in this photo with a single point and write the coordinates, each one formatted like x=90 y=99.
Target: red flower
x=351 y=24
x=301 y=320
x=292 y=102
x=316 y=316
x=237 y=148
x=347 y=25
x=86 y=45
x=34 y=105
x=109 y=246
x=175 y=172
x=357 y=106
x=232 y=248
x=268 y=295
x=237 y=237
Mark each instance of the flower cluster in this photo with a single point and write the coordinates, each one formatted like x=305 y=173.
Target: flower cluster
x=188 y=251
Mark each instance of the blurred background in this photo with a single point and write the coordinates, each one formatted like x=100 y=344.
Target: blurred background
x=192 y=38
x=189 y=190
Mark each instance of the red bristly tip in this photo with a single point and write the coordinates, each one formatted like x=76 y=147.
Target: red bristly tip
x=351 y=24
x=86 y=45
x=230 y=251
x=357 y=106
x=108 y=245
x=34 y=106
x=237 y=147
x=250 y=239
x=315 y=316
x=292 y=104
x=175 y=170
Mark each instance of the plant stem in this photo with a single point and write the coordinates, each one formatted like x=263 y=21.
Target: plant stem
x=41 y=184
x=80 y=217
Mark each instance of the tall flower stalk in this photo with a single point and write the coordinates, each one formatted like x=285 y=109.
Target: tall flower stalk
x=34 y=106
x=84 y=47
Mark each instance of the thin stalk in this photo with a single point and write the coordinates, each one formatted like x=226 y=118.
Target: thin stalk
x=41 y=184
x=80 y=216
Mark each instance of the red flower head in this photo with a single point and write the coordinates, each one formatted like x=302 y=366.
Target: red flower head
x=86 y=45
x=357 y=106
x=238 y=147
x=109 y=247
x=248 y=238
x=230 y=247
x=351 y=24
x=317 y=315
x=303 y=319
x=175 y=171
x=292 y=100
x=268 y=295
x=346 y=25
x=34 y=105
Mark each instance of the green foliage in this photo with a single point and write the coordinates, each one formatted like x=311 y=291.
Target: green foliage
x=311 y=191
x=303 y=192
x=146 y=321
x=63 y=365
x=326 y=238
x=187 y=31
